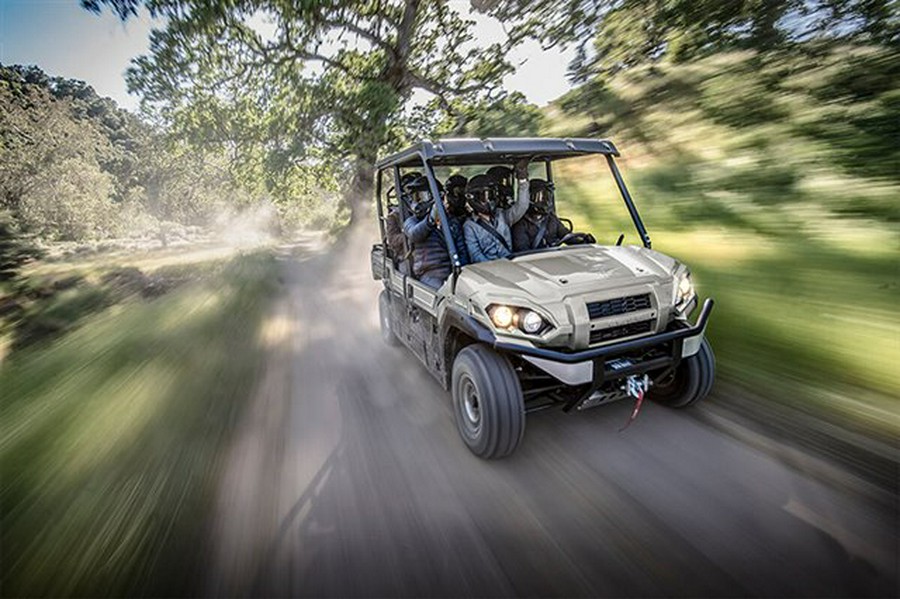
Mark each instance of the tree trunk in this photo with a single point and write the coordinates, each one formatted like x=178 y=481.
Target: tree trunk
x=360 y=195
x=369 y=145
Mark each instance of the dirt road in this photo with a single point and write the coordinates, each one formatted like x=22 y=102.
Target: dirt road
x=347 y=478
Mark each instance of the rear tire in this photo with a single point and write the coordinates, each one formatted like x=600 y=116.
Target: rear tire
x=691 y=381
x=487 y=402
x=384 y=316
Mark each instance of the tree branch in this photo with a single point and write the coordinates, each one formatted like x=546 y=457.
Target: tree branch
x=430 y=85
x=359 y=31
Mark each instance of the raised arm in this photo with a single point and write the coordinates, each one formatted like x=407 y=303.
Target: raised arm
x=523 y=198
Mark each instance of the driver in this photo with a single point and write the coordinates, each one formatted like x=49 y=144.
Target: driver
x=488 y=235
x=540 y=227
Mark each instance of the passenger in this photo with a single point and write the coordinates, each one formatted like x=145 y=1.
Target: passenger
x=540 y=227
x=457 y=213
x=393 y=226
x=396 y=240
x=430 y=258
x=488 y=235
x=503 y=175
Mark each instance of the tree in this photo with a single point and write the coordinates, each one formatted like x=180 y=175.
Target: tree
x=340 y=73
x=49 y=158
x=69 y=199
x=613 y=35
x=74 y=166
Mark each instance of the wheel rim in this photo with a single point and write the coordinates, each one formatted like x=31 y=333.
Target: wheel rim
x=471 y=406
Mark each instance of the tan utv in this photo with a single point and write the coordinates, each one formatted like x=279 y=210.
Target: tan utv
x=574 y=325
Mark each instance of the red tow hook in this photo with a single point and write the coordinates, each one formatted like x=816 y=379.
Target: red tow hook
x=637 y=388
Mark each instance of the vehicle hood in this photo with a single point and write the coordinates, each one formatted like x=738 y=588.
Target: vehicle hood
x=555 y=274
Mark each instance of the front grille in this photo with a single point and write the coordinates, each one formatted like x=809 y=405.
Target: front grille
x=619 y=305
x=625 y=330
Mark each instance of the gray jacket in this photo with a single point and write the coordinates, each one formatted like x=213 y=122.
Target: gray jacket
x=482 y=244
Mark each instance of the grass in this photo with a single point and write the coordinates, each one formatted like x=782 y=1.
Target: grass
x=780 y=195
x=110 y=437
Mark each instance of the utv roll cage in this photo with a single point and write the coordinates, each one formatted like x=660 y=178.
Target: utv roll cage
x=494 y=151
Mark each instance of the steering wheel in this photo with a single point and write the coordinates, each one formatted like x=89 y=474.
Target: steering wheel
x=575 y=239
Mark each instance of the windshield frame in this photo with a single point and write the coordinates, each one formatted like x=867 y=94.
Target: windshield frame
x=428 y=169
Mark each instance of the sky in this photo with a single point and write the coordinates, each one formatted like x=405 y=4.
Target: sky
x=65 y=40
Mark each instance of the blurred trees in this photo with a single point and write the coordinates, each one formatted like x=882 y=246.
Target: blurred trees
x=15 y=248
x=281 y=85
x=74 y=166
x=613 y=35
x=50 y=176
x=510 y=116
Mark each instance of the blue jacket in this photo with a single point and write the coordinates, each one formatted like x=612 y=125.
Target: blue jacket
x=429 y=252
x=482 y=245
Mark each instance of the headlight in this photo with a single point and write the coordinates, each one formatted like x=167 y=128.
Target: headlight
x=511 y=317
x=531 y=322
x=684 y=289
x=502 y=316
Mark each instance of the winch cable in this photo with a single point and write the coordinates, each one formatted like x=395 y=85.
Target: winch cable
x=639 y=401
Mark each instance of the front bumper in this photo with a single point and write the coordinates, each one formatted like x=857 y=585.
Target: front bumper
x=604 y=363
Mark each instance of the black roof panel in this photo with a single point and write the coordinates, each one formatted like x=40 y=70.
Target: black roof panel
x=496 y=150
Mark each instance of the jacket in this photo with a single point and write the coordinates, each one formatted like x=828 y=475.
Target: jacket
x=483 y=245
x=429 y=251
x=525 y=231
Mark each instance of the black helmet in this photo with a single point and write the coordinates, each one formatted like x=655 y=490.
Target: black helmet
x=503 y=175
x=456 y=195
x=541 y=195
x=408 y=178
x=481 y=191
x=417 y=194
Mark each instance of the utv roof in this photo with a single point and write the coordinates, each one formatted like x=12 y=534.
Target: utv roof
x=496 y=150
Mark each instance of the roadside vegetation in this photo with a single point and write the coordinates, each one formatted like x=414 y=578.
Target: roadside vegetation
x=775 y=177
x=111 y=432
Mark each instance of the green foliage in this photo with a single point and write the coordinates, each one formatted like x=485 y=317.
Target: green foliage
x=618 y=35
x=738 y=99
x=758 y=126
x=16 y=249
x=330 y=81
x=861 y=76
x=69 y=199
x=112 y=437
x=75 y=167
x=511 y=116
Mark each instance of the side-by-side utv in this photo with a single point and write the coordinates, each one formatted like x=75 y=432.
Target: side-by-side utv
x=573 y=326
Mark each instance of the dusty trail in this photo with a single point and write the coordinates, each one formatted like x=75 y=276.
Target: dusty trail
x=347 y=478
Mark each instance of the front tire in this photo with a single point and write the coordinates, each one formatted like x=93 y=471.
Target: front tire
x=690 y=382
x=384 y=316
x=487 y=402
